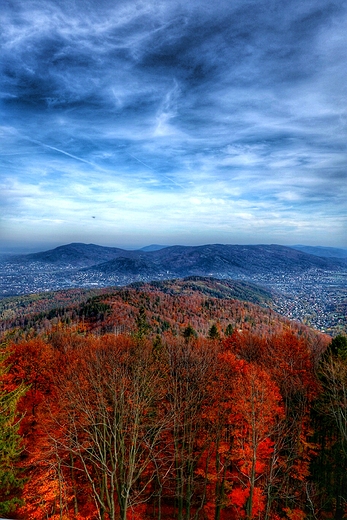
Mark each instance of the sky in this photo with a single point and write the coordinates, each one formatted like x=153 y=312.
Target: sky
x=127 y=123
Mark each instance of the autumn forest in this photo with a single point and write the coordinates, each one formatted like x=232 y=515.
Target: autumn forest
x=168 y=403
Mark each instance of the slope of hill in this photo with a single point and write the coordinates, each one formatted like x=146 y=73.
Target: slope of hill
x=233 y=260
x=16 y=310
x=75 y=255
x=227 y=289
x=135 y=265
x=168 y=306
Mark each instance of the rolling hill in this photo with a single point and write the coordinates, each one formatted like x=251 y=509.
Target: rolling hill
x=207 y=260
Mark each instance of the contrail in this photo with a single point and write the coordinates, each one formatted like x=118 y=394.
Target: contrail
x=62 y=151
x=95 y=165
x=144 y=164
x=155 y=171
x=68 y=154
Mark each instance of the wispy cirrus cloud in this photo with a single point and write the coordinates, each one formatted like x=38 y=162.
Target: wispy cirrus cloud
x=180 y=122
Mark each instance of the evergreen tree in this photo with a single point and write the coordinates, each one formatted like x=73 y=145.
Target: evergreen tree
x=142 y=325
x=10 y=446
x=229 y=330
x=338 y=347
x=189 y=333
x=329 y=417
x=213 y=332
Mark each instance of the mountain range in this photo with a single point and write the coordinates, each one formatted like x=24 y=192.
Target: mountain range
x=179 y=261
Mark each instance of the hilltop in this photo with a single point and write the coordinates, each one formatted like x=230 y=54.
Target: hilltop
x=168 y=307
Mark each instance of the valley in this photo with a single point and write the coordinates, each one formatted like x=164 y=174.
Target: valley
x=304 y=287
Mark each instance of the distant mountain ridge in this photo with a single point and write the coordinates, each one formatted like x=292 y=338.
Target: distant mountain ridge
x=325 y=252
x=152 y=247
x=218 y=260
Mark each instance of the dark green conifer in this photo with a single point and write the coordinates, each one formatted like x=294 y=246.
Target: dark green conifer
x=229 y=330
x=189 y=333
x=142 y=325
x=213 y=332
x=10 y=447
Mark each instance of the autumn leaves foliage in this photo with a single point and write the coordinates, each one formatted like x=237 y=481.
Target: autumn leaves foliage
x=172 y=426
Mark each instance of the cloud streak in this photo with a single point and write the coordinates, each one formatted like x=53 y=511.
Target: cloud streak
x=173 y=122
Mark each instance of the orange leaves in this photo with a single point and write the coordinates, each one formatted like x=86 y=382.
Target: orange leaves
x=223 y=448
x=239 y=498
x=295 y=514
x=31 y=363
x=290 y=361
x=200 y=425
x=258 y=408
x=247 y=408
x=40 y=494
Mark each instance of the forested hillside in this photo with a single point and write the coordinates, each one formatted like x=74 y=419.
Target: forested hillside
x=163 y=402
x=173 y=302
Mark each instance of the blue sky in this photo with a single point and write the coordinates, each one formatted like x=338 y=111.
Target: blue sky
x=131 y=122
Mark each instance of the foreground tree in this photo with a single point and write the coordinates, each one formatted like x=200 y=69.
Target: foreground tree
x=189 y=366
x=110 y=407
x=10 y=443
x=330 y=420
